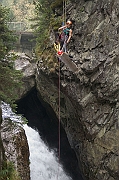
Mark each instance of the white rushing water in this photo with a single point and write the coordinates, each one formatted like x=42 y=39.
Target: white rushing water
x=43 y=163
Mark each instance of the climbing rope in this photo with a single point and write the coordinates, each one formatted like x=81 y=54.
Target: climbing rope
x=64 y=12
x=59 y=110
x=59 y=121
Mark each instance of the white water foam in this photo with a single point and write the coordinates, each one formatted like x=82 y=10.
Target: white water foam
x=44 y=165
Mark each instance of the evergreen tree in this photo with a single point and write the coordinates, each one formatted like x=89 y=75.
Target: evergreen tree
x=9 y=78
x=47 y=20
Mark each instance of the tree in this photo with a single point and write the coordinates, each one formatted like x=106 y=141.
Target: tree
x=47 y=21
x=9 y=78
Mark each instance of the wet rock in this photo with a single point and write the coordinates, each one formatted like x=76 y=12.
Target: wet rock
x=16 y=147
x=28 y=69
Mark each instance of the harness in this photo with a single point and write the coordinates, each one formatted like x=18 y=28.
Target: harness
x=64 y=35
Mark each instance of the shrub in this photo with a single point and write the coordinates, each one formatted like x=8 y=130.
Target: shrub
x=8 y=172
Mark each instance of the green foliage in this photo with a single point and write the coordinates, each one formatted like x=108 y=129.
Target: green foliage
x=9 y=78
x=6 y=36
x=43 y=27
x=9 y=172
x=9 y=81
x=56 y=4
x=47 y=21
x=20 y=11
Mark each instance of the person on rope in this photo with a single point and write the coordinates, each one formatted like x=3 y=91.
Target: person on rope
x=65 y=36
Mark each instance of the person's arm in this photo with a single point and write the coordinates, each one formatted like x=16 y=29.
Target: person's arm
x=70 y=35
x=63 y=27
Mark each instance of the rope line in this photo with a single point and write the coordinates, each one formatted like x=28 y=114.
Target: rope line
x=59 y=133
x=64 y=12
x=59 y=109
x=64 y=20
x=59 y=96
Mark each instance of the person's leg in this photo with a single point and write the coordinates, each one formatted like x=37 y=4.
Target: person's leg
x=65 y=44
x=64 y=48
x=61 y=45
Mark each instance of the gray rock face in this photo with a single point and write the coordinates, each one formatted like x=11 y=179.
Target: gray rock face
x=16 y=147
x=89 y=100
x=23 y=64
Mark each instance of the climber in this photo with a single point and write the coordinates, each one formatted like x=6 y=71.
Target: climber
x=65 y=35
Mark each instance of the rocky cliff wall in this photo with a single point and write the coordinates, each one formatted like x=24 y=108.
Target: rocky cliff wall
x=28 y=69
x=16 y=147
x=90 y=98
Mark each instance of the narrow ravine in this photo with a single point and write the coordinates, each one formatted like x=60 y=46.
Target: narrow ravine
x=47 y=126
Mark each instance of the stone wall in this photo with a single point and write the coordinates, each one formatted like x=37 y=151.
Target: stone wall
x=90 y=98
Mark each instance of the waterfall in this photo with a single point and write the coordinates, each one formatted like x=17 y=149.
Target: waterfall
x=44 y=165
x=43 y=162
